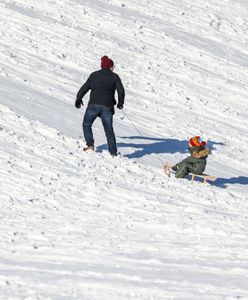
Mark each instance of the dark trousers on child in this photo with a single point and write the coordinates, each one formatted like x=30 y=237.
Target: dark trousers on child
x=184 y=168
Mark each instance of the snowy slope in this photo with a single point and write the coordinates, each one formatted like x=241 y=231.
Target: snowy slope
x=87 y=226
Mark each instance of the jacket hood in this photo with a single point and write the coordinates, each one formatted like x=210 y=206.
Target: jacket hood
x=200 y=153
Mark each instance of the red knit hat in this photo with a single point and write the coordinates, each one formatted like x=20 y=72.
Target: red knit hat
x=106 y=62
x=196 y=141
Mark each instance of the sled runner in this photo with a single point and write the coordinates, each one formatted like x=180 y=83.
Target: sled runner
x=206 y=177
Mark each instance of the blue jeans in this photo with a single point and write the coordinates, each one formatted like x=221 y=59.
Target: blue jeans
x=106 y=114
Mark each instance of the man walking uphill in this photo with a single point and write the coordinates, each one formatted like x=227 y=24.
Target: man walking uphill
x=103 y=84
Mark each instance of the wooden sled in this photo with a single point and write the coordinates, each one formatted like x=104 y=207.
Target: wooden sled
x=167 y=168
x=206 y=177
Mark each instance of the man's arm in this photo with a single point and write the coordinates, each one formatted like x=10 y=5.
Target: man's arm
x=121 y=93
x=83 y=90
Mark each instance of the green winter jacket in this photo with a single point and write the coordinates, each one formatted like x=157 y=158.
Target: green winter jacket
x=198 y=159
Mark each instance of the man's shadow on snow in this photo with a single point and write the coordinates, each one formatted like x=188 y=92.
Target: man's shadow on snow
x=159 y=146
x=151 y=145
x=147 y=147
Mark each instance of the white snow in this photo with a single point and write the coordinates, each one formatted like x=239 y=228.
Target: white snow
x=89 y=226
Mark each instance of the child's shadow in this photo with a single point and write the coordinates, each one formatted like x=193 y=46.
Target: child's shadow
x=224 y=182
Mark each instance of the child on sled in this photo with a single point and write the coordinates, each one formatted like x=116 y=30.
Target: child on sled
x=196 y=162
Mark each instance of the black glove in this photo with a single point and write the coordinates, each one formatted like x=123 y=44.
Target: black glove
x=119 y=106
x=174 y=168
x=78 y=103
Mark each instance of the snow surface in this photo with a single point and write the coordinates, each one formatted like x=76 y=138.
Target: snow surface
x=89 y=226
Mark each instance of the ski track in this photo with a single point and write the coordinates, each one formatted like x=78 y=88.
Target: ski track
x=89 y=226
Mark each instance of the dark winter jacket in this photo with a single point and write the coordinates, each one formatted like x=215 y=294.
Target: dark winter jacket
x=103 y=84
x=197 y=160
